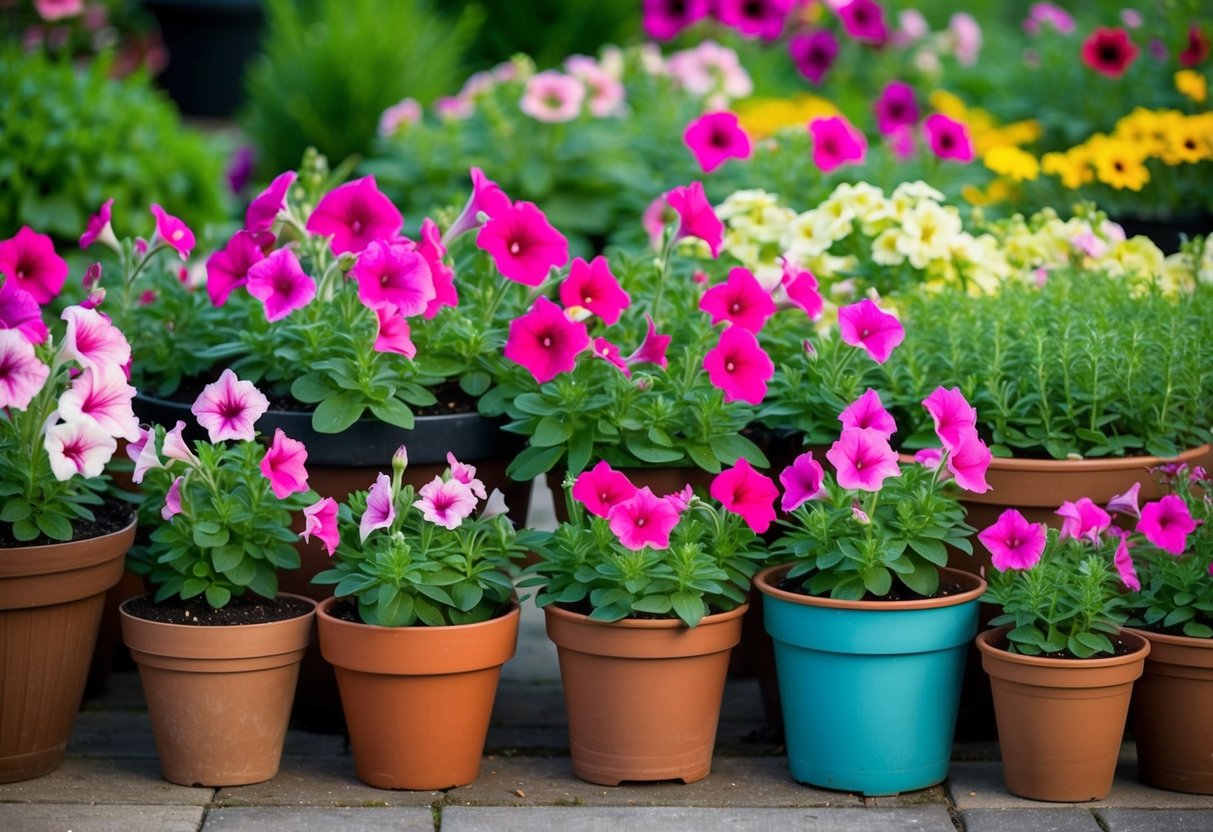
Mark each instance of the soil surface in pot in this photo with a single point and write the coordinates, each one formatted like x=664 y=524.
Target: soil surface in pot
x=108 y=517
x=897 y=593
x=1175 y=629
x=451 y=398
x=196 y=611
x=585 y=608
x=1120 y=647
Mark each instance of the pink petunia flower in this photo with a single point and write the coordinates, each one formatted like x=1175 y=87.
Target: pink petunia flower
x=929 y=457
x=836 y=142
x=228 y=268
x=445 y=502
x=965 y=32
x=601 y=488
x=355 y=214
x=741 y=301
x=545 y=341
x=1109 y=51
x=868 y=412
x=52 y=10
x=1013 y=542
x=29 y=260
x=611 y=353
x=524 y=246
x=100 y=228
x=864 y=21
x=1126 y=503
x=1048 y=14
x=716 y=137
x=802 y=481
x=320 y=519
x=21 y=313
x=695 y=216
x=739 y=366
x=643 y=519
x=175 y=446
x=487 y=198
x=172 y=500
x=814 y=53
x=1167 y=523
x=494 y=506
x=173 y=232
x=280 y=283
x=968 y=460
x=552 y=97
x=952 y=414
x=394 y=274
x=681 y=499
x=228 y=408
x=1123 y=560
x=593 y=286
x=92 y=341
x=866 y=325
x=949 y=139
x=863 y=459
x=1196 y=49
x=102 y=396
x=283 y=465
x=896 y=108
x=746 y=493
x=465 y=474
x=663 y=19
x=432 y=249
x=21 y=373
x=802 y=290
x=380 y=510
x=394 y=334
x=78 y=447
x=653 y=348
x=267 y=205
x=1083 y=520
x=404 y=112
x=754 y=18
x=142 y=452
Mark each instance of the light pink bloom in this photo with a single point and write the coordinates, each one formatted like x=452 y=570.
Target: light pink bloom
x=406 y=111
x=601 y=488
x=267 y=205
x=103 y=396
x=1048 y=14
x=739 y=366
x=746 y=493
x=465 y=474
x=100 y=228
x=29 y=259
x=1126 y=503
x=695 y=216
x=228 y=268
x=656 y=214
x=912 y=26
x=863 y=459
x=607 y=351
x=953 y=415
x=172 y=500
x=714 y=138
x=354 y=214
x=283 y=465
x=173 y=232
x=859 y=514
x=1167 y=523
x=52 y=10
x=394 y=333
x=836 y=142
x=740 y=300
x=1013 y=542
x=142 y=452
x=966 y=37
x=78 y=446
x=228 y=408
x=929 y=457
x=593 y=286
x=487 y=198
x=605 y=92
x=864 y=21
x=432 y=249
x=643 y=519
x=21 y=313
x=866 y=325
x=21 y=373
x=802 y=481
x=552 y=97
x=175 y=446
x=896 y=108
x=524 y=246
x=968 y=461
x=396 y=275
x=1089 y=244
x=545 y=341
x=949 y=138
x=380 y=510
x=445 y=502
x=92 y=341
x=494 y=506
x=1082 y=520
x=280 y=283
x=454 y=107
x=320 y=519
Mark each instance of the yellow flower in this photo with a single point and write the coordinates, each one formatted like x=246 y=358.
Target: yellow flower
x=1120 y=165
x=1145 y=129
x=1071 y=167
x=999 y=190
x=1012 y=162
x=763 y=117
x=1187 y=143
x=1192 y=84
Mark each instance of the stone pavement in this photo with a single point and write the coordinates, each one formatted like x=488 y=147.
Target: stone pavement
x=111 y=782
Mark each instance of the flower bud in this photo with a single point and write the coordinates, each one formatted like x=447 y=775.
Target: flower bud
x=346 y=261
x=577 y=314
x=92 y=276
x=400 y=460
x=95 y=298
x=860 y=515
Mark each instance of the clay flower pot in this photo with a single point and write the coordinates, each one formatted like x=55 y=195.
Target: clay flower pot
x=642 y=695
x=417 y=699
x=51 y=599
x=1173 y=704
x=219 y=697
x=1060 y=721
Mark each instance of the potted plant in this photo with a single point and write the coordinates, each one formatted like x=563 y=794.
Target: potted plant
x=217 y=646
x=422 y=619
x=644 y=597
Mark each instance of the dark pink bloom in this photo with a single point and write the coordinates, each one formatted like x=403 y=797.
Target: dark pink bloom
x=601 y=488
x=1013 y=542
x=545 y=341
x=1197 y=48
x=432 y=249
x=487 y=198
x=868 y=412
x=99 y=227
x=802 y=481
x=663 y=19
x=739 y=366
x=394 y=334
x=1082 y=520
x=354 y=214
x=695 y=216
x=1123 y=560
x=741 y=301
x=445 y=502
x=268 y=204
x=280 y=283
x=652 y=349
x=92 y=340
x=228 y=408
x=283 y=465
x=813 y=54
x=863 y=459
x=754 y=18
x=896 y=108
x=746 y=493
x=836 y=142
x=172 y=500
x=593 y=286
x=714 y=138
x=801 y=287
x=866 y=325
x=19 y=311
x=320 y=519
x=380 y=510
x=1109 y=51
x=954 y=417
x=949 y=138
x=523 y=244
x=29 y=260
x=681 y=499
x=1126 y=503
x=21 y=373
x=604 y=349
x=968 y=461
x=1167 y=523
x=395 y=275
x=228 y=268
x=644 y=519
x=173 y=231
x=929 y=457
x=864 y=21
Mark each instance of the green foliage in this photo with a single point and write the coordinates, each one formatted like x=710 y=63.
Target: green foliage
x=74 y=137
x=549 y=30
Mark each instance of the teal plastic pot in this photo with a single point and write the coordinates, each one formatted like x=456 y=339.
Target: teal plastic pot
x=870 y=689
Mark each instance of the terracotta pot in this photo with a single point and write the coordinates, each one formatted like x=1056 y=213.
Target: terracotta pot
x=1060 y=721
x=642 y=695
x=51 y=599
x=1173 y=707
x=417 y=699
x=219 y=697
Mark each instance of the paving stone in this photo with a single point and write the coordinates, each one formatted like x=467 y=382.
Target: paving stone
x=612 y=819
x=1030 y=820
x=117 y=780
x=980 y=786
x=112 y=734
x=1155 y=820
x=64 y=817
x=319 y=820
x=320 y=781
x=123 y=691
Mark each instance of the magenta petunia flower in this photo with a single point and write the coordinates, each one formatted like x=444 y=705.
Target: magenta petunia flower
x=754 y=18
x=746 y=493
x=643 y=519
x=320 y=519
x=29 y=260
x=280 y=283
x=1123 y=559
x=228 y=408
x=545 y=341
x=814 y=53
x=487 y=198
x=142 y=452
x=227 y=269
x=552 y=97
x=1013 y=542
x=949 y=139
x=52 y=10
x=802 y=481
x=380 y=510
x=1082 y=520
x=267 y=205
x=863 y=459
x=866 y=325
x=653 y=348
x=432 y=249
x=1109 y=52
x=394 y=334
x=802 y=290
x=78 y=447
x=523 y=244
x=952 y=414
x=354 y=214
x=611 y=353
x=175 y=446
x=103 y=396
x=20 y=312
x=896 y=108
x=716 y=137
x=92 y=341
x=601 y=488
x=445 y=502
x=929 y=457
x=836 y=142
x=864 y=21
x=172 y=500
x=739 y=366
x=173 y=232
x=100 y=228
x=283 y=465
x=695 y=216
x=395 y=275
x=593 y=286
x=741 y=301
x=663 y=19
x=1126 y=503
x=21 y=373
x=968 y=460
x=1196 y=50
x=1167 y=523
x=868 y=412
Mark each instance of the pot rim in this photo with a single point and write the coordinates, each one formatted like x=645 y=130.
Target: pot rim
x=196 y=627
x=1111 y=463
x=986 y=638
x=16 y=551
x=765 y=582
x=645 y=623
x=1169 y=638
x=323 y=611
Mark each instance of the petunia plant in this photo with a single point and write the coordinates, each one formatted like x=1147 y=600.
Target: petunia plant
x=629 y=553
x=438 y=555
x=220 y=509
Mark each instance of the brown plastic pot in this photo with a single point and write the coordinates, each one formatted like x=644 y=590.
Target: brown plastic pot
x=219 y=697
x=417 y=699
x=642 y=695
x=1173 y=706
x=51 y=599
x=1060 y=721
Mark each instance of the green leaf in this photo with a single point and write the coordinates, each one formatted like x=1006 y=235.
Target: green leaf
x=924 y=579
x=243 y=572
x=54 y=526
x=1027 y=634
x=207 y=540
x=533 y=403
x=932 y=550
x=734 y=446
x=655 y=604
x=645 y=450
x=688 y=606
x=878 y=580
x=15 y=510
x=193 y=587
x=311 y=388
x=551 y=431
x=264 y=583
x=474 y=383
x=702 y=456
x=218 y=596
x=394 y=412
x=1094 y=642
x=532 y=462
x=337 y=413
x=581 y=447
x=225 y=557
